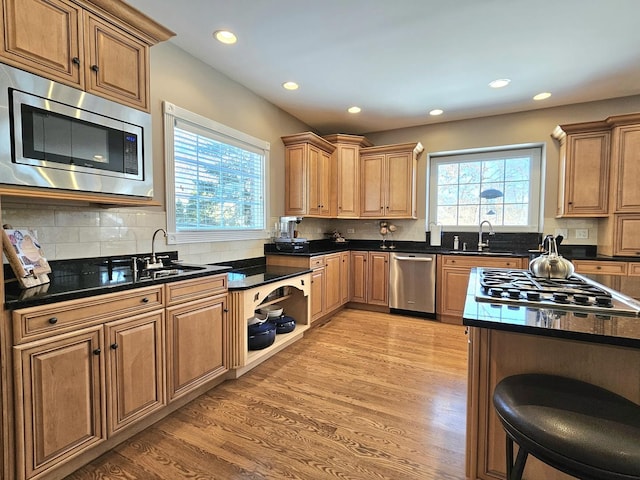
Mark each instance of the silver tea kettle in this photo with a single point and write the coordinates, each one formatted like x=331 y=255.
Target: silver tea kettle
x=551 y=265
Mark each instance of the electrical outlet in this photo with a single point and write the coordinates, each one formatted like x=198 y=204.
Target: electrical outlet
x=561 y=231
x=351 y=230
x=582 y=233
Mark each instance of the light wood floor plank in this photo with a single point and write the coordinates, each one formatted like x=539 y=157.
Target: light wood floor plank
x=364 y=396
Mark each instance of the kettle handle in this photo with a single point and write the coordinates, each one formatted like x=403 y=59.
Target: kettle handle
x=553 y=246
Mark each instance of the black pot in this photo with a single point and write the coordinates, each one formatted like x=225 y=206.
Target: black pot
x=283 y=324
x=261 y=335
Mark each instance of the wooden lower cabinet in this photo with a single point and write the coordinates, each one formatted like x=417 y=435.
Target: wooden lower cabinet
x=60 y=399
x=195 y=344
x=495 y=354
x=370 y=278
x=619 y=235
x=453 y=277
x=329 y=279
x=134 y=369
x=77 y=389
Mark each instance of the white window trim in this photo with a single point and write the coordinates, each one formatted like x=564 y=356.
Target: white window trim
x=431 y=200
x=171 y=113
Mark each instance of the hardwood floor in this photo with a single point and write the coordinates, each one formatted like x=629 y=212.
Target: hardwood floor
x=364 y=396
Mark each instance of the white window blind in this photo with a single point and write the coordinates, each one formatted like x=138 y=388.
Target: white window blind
x=216 y=180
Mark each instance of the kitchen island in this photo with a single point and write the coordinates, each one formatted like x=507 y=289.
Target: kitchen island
x=506 y=340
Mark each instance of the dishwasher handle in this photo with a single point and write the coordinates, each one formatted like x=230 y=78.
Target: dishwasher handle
x=415 y=259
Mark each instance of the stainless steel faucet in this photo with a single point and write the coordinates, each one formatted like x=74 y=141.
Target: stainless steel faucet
x=481 y=245
x=153 y=261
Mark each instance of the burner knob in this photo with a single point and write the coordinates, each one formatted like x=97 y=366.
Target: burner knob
x=560 y=297
x=495 y=292
x=603 y=301
x=581 y=299
x=513 y=293
x=534 y=296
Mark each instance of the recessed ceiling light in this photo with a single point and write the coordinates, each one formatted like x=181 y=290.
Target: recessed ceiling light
x=499 y=83
x=542 y=96
x=290 y=85
x=354 y=109
x=225 y=36
x=436 y=112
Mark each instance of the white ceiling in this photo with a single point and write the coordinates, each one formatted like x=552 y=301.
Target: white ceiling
x=399 y=59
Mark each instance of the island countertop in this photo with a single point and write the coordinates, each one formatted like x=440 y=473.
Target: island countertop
x=605 y=329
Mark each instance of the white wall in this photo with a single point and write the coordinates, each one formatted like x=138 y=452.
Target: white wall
x=75 y=231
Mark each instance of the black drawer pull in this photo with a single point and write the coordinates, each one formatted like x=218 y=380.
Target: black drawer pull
x=53 y=320
x=75 y=61
x=95 y=68
x=145 y=300
x=97 y=351
x=114 y=346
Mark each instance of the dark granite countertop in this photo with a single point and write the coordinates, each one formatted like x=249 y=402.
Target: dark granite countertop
x=82 y=278
x=607 y=329
x=256 y=276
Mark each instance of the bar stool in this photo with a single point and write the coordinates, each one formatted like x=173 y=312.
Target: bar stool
x=575 y=427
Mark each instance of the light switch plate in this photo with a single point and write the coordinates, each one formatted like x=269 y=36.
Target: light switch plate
x=351 y=230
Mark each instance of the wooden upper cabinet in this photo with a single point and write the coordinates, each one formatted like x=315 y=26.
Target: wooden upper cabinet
x=388 y=180
x=583 y=174
x=307 y=166
x=625 y=155
x=44 y=37
x=345 y=164
x=118 y=64
x=101 y=46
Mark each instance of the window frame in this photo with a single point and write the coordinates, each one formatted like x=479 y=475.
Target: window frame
x=171 y=114
x=539 y=175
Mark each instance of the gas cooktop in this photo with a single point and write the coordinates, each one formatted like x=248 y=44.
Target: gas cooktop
x=576 y=293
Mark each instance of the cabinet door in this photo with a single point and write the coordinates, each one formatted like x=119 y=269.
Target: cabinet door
x=60 y=411
x=117 y=64
x=295 y=177
x=317 y=293
x=333 y=291
x=626 y=154
x=345 y=277
x=586 y=175
x=348 y=178
x=378 y=288
x=359 y=277
x=627 y=235
x=195 y=344
x=44 y=36
x=400 y=192
x=371 y=184
x=135 y=373
x=452 y=288
x=318 y=189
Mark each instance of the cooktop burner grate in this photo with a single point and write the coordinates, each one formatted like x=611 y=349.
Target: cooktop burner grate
x=521 y=287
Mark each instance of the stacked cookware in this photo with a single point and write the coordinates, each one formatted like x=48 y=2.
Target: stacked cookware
x=266 y=324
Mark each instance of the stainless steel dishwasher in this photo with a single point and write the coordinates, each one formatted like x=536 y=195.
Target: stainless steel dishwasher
x=412 y=282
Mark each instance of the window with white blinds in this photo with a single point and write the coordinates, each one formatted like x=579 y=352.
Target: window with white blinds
x=216 y=180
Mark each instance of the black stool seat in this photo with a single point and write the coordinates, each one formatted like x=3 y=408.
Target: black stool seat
x=578 y=428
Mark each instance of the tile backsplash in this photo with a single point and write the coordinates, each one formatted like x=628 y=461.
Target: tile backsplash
x=67 y=232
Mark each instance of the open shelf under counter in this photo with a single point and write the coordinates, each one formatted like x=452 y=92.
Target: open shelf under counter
x=244 y=303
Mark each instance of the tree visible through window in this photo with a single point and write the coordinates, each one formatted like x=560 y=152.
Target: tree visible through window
x=215 y=179
x=502 y=186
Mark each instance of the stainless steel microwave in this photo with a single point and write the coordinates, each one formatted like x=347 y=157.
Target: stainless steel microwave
x=55 y=136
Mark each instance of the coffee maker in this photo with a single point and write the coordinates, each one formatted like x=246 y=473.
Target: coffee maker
x=286 y=231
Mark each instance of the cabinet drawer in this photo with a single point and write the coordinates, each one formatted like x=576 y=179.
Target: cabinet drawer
x=316 y=262
x=600 y=267
x=200 y=287
x=42 y=321
x=634 y=269
x=481 y=261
